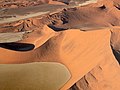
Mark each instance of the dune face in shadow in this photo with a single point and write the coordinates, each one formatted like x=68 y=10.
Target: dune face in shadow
x=115 y=42
x=117 y=55
x=17 y=46
x=80 y=38
x=78 y=51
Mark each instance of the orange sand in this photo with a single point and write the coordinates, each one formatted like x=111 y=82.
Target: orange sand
x=80 y=38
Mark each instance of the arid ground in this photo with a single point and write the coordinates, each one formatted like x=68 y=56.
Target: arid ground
x=82 y=35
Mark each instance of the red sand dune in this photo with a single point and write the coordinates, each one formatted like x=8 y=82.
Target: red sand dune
x=85 y=39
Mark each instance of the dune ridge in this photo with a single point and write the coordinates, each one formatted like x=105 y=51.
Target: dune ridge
x=85 y=39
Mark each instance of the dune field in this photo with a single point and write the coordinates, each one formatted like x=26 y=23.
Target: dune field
x=79 y=38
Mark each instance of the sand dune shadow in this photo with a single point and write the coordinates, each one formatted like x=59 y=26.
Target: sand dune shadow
x=116 y=54
x=17 y=46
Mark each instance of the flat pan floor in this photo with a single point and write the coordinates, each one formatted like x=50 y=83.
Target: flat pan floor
x=33 y=76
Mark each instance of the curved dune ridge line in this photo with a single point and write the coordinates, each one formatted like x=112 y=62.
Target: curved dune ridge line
x=33 y=76
x=39 y=37
x=89 y=55
x=93 y=51
x=115 y=38
x=84 y=39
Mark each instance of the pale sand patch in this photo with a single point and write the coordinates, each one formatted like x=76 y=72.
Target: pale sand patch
x=11 y=37
x=34 y=76
x=17 y=18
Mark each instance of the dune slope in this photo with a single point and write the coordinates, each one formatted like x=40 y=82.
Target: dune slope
x=80 y=52
x=85 y=39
